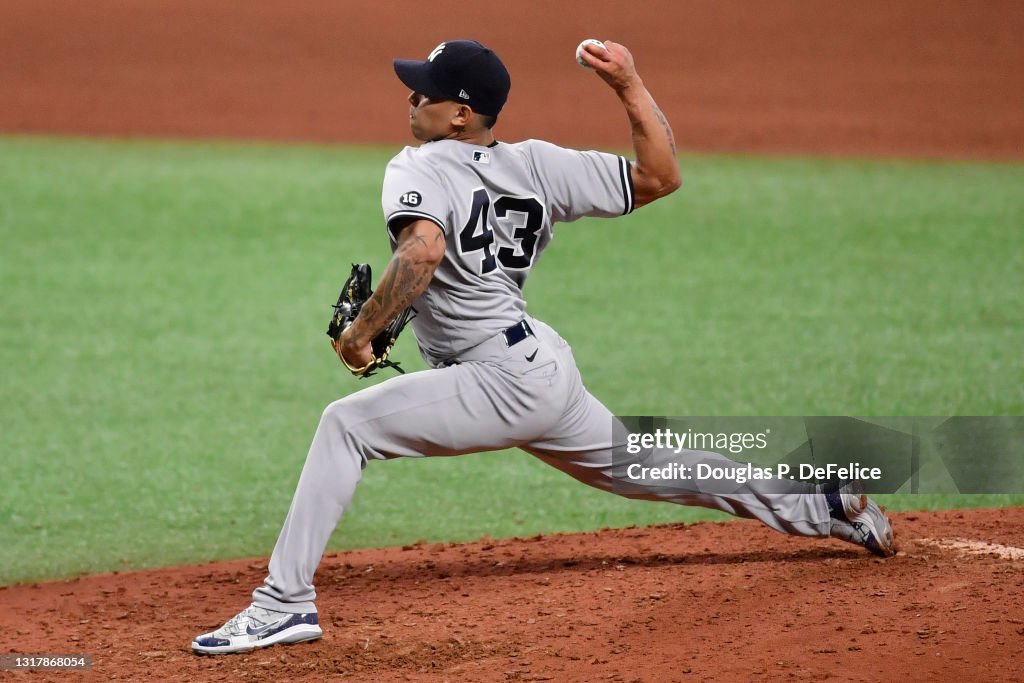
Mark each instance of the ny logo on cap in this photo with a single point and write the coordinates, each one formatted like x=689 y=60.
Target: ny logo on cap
x=437 y=50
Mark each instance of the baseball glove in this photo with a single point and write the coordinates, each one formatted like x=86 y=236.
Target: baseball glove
x=356 y=290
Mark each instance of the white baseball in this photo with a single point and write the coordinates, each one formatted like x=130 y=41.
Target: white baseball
x=579 y=51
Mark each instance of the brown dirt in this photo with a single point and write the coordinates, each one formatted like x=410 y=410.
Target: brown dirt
x=723 y=602
x=936 y=78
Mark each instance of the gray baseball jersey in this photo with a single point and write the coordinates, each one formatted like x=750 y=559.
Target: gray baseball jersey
x=497 y=207
x=490 y=390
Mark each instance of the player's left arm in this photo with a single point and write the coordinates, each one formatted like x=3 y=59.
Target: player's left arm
x=421 y=246
x=656 y=170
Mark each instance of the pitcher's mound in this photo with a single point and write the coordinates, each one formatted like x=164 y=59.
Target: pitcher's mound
x=725 y=602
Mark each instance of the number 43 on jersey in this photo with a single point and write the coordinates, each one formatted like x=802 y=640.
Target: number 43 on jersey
x=477 y=235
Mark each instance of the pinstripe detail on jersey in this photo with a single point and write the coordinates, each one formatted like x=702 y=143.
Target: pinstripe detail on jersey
x=413 y=214
x=627 y=184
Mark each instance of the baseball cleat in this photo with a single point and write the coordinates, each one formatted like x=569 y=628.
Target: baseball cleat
x=856 y=519
x=846 y=502
x=255 y=627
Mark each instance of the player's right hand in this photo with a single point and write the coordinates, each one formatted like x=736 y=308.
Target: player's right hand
x=613 y=63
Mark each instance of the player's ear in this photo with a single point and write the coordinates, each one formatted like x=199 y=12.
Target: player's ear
x=462 y=116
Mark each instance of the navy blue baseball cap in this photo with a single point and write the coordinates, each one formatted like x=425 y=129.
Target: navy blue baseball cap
x=461 y=70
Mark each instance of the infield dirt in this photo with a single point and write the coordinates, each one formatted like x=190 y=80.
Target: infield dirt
x=705 y=602
x=715 y=602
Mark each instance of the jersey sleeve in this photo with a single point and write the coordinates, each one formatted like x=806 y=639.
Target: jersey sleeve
x=581 y=184
x=411 y=191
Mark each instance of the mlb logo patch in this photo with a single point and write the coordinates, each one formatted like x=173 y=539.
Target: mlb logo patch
x=481 y=157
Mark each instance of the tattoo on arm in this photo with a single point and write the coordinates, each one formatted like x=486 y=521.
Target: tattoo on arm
x=668 y=129
x=641 y=124
x=406 y=277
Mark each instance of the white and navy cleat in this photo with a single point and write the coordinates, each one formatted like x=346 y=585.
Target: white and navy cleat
x=856 y=519
x=255 y=627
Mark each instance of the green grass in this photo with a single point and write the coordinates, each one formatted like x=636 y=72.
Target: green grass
x=164 y=362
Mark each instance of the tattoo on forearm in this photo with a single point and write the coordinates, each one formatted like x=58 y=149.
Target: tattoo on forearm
x=668 y=129
x=407 y=275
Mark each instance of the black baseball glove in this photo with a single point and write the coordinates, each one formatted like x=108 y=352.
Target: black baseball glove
x=354 y=293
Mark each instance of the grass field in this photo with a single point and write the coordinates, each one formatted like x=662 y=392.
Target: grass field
x=165 y=365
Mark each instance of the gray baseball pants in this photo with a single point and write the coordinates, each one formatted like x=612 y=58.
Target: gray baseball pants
x=494 y=398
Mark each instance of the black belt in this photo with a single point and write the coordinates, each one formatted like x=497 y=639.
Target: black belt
x=512 y=336
x=517 y=333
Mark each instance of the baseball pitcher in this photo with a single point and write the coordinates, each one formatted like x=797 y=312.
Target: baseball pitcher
x=468 y=218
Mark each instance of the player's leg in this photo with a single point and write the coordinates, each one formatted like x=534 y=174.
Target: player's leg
x=583 y=445
x=797 y=511
x=499 y=396
x=465 y=408
x=845 y=513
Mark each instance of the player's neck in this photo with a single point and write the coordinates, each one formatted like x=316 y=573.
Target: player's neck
x=482 y=138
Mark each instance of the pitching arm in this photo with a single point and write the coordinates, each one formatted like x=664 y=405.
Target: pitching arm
x=656 y=170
